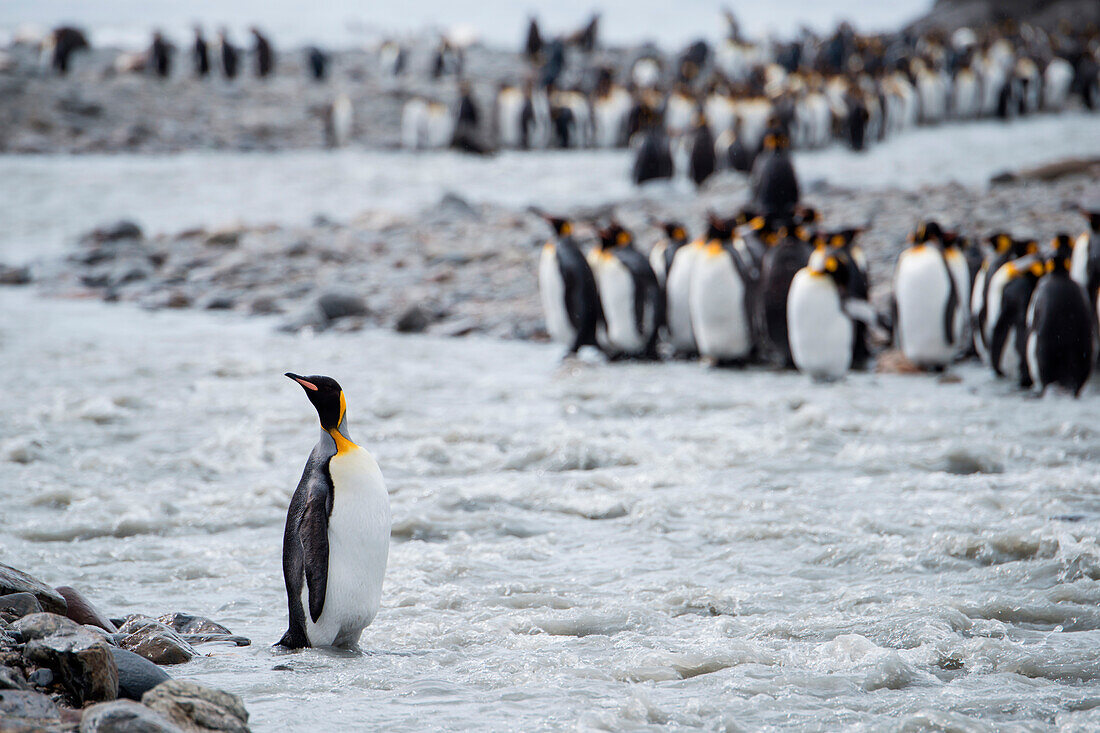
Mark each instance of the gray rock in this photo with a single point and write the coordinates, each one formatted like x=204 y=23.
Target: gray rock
x=415 y=319
x=223 y=238
x=136 y=674
x=125 y=716
x=11 y=679
x=40 y=678
x=122 y=229
x=81 y=610
x=14 y=275
x=16 y=581
x=155 y=641
x=27 y=711
x=341 y=305
x=264 y=305
x=185 y=623
x=196 y=708
x=81 y=660
x=18 y=605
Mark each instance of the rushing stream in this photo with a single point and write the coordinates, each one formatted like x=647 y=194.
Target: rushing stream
x=582 y=546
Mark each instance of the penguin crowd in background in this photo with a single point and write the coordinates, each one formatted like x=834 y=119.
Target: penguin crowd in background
x=781 y=288
x=709 y=107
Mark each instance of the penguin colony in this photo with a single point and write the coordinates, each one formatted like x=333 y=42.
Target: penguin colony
x=709 y=108
x=782 y=288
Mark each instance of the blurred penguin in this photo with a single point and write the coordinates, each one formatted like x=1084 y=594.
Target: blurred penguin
x=1085 y=266
x=630 y=298
x=160 y=56
x=662 y=254
x=317 y=63
x=774 y=182
x=927 y=301
x=1061 y=339
x=1008 y=342
x=532 y=46
x=465 y=135
x=702 y=162
x=61 y=44
x=200 y=54
x=339 y=118
x=265 y=54
x=230 y=55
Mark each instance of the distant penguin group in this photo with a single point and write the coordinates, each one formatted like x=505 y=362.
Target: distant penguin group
x=781 y=289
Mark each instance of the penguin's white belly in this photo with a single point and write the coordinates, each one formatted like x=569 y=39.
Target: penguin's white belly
x=922 y=290
x=717 y=307
x=1079 y=261
x=820 y=332
x=552 y=292
x=358 y=548
x=960 y=273
x=678 y=289
x=657 y=261
x=616 y=285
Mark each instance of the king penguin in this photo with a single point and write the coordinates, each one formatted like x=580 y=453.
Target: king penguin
x=567 y=288
x=1085 y=266
x=630 y=297
x=927 y=301
x=786 y=255
x=821 y=331
x=1008 y=340
x=337 y=534
x=677 y=298
x=1061 y=329
x=985 y=301
x=720 y=297
x=662 y=254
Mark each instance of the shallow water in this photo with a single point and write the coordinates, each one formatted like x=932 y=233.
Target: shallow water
x=587 y=546
x=46 y=201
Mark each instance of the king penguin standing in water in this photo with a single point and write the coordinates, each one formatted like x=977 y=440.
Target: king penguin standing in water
x=337 y=534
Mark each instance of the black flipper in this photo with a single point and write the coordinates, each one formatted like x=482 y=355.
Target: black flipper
x=952 y=303
x=314 y=531
x=1000 y=337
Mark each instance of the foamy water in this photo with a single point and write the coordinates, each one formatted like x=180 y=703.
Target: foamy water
x=46 y=201
x=588 y=546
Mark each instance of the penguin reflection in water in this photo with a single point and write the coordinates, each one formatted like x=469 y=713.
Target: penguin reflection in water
x=337 y=534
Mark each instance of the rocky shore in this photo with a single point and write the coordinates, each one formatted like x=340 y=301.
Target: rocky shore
x=65 y=666
x=456 y=269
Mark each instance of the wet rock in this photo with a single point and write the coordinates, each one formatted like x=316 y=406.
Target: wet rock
x=136 y=674
x=186 y=623
x=81 y=660
x=18 y=605
x=453 y=206
x=223 y=238
x=16 y=581
x=14 y=275
x=196 y=708
x=125 y=716
x=341 y=305
x=415 y=319
x=81 y=610
x=264 y=305
x=40 y=678
x=21 y=711
x=40 y=625
x=155 y=641
x=219 y=303
x=120 y=230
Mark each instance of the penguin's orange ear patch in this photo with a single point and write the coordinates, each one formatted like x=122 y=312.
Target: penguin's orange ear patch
x=623 y=238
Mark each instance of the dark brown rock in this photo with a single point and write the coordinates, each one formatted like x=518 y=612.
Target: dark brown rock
x=125 y=716
x=80 y=660
x=16 y=581
x=18 y=605
x=196 y=708
x=155 y=641
x=14 y=275
x=81 y=610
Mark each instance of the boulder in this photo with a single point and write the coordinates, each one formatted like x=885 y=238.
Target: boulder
x=18 y=605
x=113 y=233
x=415 y=319
x=81 y=610
x=185 y=623
x=223 y=238
x=196 y=708
x=341 y=305
x=155 y=641
x=81 y=661
x=11 y=679
x=125 y=716
x=27 y=711
x=14 y=275
x=136 y=674
x=16 y=581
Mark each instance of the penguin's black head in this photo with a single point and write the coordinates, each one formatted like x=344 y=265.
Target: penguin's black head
x=327 y=397
x=1061 y=253
x=834 y=265
x=928 y=231
x=719 y=228
x=614 y=235
x=675 y=231
x=562 y=227
x=1000 y=242
x=1092 y=213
